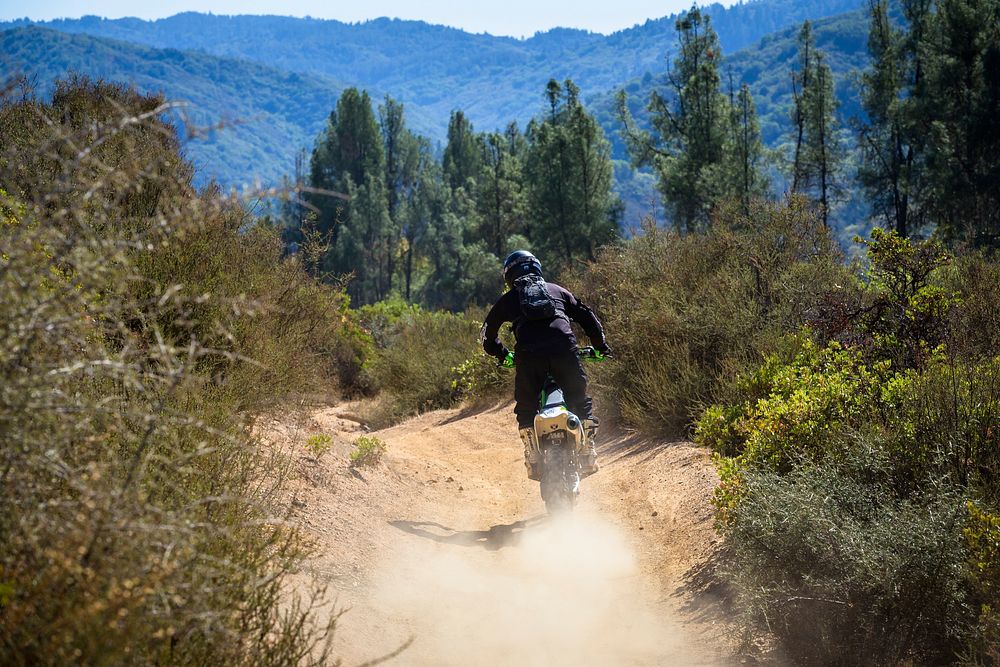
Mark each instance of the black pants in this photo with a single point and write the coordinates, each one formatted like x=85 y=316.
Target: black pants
x=565 y=368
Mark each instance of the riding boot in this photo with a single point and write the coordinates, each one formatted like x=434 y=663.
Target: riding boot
x=588 y=460
x=532 y=456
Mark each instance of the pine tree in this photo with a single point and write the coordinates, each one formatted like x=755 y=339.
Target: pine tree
x=568 y=180
x=822 y=154
x=959 y=109
x=689 y=123
x=349 y=158
x=801 y=85
x=892 y=139
x=463 y=153
x=500 y=192
x=744 y=179
x=818 y=154
x=426 y=204
x=402 y=161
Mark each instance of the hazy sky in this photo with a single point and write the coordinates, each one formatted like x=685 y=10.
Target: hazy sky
x=499 y=17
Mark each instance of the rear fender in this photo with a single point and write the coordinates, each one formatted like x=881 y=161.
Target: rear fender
x=559 y=426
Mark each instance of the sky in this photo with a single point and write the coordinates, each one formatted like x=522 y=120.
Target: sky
x=517 y=18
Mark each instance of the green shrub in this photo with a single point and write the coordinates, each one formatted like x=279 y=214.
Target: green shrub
x=846 y=460
x=480 y=379
x=414 y=357
x=368 y=451
x=318 y=445
x=982 y=534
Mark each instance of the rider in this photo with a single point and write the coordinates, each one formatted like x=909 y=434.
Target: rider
x=541 y=313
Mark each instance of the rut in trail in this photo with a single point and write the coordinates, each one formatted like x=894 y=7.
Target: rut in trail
x=447 y=544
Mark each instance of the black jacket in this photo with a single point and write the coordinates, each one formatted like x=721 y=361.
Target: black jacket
x=552 y=335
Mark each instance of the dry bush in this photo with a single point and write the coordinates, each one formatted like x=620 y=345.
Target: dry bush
x=833 y=563
x=416 y=359
x=141 y=323
x=686 y=313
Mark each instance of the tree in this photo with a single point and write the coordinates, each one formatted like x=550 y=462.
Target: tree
x=500 y=190
x=744 y=152
x=689 y=126
x=822 y=152
x=818 y=154
x=959 y=107
x=426 y=203
x=402 y=162
x=349 y=158
x=348 y=149
x=801 y=84
x=568 y=180
x=463 y=153
x=892 y=137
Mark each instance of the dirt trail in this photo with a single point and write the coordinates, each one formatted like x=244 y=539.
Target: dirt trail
x=447 y=543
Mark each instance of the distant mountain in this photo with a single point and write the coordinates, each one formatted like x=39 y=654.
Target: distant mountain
x=279 y=77
x=437 y=69
x=270 y=112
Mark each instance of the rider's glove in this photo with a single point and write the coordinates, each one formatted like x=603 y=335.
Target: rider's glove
x=506 y=359
x=603 y=350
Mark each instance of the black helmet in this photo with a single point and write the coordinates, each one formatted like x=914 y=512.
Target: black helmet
x=520 y=263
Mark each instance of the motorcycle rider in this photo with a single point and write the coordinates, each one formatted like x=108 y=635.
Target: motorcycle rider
x=546 y=346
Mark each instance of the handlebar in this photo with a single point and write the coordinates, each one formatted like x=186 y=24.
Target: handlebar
x=588 y=353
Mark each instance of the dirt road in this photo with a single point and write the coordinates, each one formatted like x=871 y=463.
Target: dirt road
x=446 y=543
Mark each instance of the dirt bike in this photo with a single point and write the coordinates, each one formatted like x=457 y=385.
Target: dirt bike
x=561 y=441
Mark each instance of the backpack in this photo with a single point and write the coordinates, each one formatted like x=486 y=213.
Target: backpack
x=536 y=302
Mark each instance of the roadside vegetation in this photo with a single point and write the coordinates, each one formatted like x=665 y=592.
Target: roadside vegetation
x=142 y=325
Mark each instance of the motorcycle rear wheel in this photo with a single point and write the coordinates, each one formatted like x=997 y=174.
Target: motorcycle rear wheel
x=560 y=481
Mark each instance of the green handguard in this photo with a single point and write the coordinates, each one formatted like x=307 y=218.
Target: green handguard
x=508 y=361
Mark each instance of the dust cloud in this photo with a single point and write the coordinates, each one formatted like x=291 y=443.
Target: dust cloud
x=537 y=592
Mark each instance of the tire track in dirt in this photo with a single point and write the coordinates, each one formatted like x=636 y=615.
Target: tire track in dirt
x=447 y=543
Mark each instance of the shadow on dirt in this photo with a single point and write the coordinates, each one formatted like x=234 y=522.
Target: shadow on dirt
x=495 y=538
x=474 y=409
x=626 y=446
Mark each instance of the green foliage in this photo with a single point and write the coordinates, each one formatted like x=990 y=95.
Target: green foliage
x=893 y=139
x=568 y=181
x=414 y=357
x=847 y=460
x=480 y=378
x=818 y=154
x=142 y=326
x=704 y=148
x=318 y=445
x=463 y=154
x=959 y=104
x=368 y=451
x=688 y=121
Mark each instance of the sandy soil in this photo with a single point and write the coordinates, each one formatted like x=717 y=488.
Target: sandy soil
x=446 y=545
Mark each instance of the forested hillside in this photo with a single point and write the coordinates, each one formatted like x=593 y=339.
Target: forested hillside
x=766 y=67
x=262 y=128
x=438 y=69
x=430 y=69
